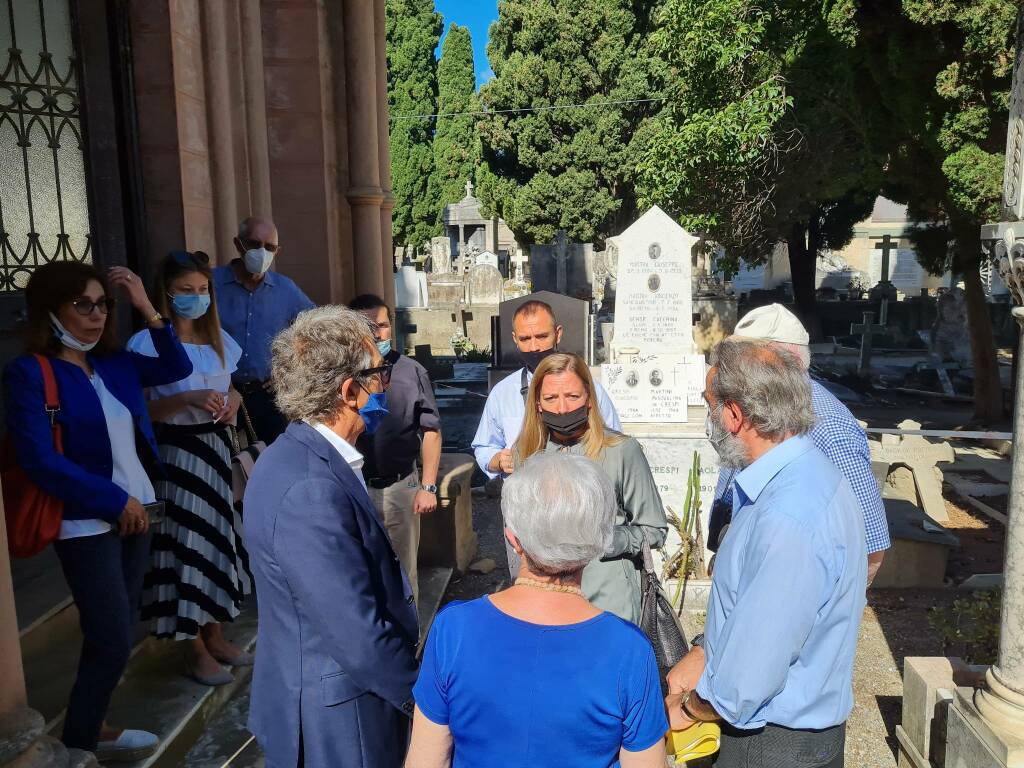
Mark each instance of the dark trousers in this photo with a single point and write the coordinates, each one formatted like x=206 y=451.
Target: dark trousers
x=266 y=419
x=105 y=575
x=776 y=747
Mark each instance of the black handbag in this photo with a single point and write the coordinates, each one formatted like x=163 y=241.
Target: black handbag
x=658 y=620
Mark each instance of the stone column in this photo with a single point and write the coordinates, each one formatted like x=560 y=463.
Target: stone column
x=218 y=118
x=256 y=108
x=12 y=692
x=364 y=193
x=384 y=154
x=1001 y=702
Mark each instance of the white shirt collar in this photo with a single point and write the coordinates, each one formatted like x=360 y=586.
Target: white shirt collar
x=345 y=449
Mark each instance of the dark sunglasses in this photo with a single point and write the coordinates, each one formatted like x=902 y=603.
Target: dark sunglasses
x=85 y=307
x=383 y=372
x=191 y=258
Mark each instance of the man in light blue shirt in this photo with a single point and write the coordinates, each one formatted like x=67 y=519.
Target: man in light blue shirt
x=536 y=334
x=255 y=305
x=836 y=433
x=788 y=588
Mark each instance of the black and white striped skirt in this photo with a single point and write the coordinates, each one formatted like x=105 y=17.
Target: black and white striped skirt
x=199 y=567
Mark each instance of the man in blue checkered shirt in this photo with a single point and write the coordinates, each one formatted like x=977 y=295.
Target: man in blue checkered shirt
x=836 y=434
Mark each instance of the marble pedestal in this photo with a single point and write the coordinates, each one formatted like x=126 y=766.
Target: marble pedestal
x=971 y=742
x=669 y=449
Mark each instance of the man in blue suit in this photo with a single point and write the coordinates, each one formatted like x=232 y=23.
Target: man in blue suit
x=337 y=637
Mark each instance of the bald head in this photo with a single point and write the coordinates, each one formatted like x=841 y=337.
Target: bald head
x=256 y=232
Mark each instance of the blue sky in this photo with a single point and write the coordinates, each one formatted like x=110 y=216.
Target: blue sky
x=477 y=15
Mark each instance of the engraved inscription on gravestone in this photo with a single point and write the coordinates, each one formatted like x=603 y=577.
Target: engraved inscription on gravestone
x=653 y=299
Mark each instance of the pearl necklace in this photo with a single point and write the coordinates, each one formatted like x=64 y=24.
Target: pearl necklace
x=547 y=586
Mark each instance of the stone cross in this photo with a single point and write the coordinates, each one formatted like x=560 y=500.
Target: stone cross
x=561 y=254
x=886 y=246
x=518 y=260
x=921 y=457
x=865 y=330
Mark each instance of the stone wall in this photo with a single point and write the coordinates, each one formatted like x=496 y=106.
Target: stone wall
x=435 y=326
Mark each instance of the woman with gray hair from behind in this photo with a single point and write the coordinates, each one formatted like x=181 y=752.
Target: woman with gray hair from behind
x=536 y=675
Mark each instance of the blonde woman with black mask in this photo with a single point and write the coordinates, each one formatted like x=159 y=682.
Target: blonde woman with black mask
x=560 y=417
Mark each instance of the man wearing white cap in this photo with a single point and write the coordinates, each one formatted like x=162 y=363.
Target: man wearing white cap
x=836 y=434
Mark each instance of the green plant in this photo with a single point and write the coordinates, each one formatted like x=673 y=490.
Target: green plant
x=688 y=559
x=970 y=626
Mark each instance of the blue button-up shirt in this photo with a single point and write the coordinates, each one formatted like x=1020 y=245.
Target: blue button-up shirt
x=838 y=435
x=254 y=318
x=787 y=595
x=502 y=419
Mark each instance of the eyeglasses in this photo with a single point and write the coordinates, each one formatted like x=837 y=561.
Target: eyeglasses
x=191 y=258
x=252 y=243
x=382 y=372
x=85 y=307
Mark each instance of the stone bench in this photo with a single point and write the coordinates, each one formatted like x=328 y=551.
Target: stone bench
x=447 y=538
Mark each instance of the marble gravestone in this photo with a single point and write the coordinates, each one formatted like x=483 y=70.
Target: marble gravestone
x=654 y=293
x=655 y=378
x=441 y=255
x=652 y=341
x=486 y=257
x=410 y=287
x=484 y=285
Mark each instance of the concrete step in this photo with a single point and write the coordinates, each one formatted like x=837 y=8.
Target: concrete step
x=40 y=591
x=156 y=696
x=227 y=743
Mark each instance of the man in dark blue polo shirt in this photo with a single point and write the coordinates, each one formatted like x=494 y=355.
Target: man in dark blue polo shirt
x=255 y=305
x=411 y=430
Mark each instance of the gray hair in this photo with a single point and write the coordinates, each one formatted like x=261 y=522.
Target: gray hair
x=561 y=507
x=312 y=358
x=767 y=382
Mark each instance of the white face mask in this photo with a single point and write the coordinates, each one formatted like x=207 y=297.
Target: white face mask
x=67 y=339
x=257 y=260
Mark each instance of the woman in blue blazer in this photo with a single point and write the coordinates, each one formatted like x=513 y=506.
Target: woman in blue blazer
x=104 y=476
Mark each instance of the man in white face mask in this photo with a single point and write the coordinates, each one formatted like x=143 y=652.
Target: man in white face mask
x=256 y=304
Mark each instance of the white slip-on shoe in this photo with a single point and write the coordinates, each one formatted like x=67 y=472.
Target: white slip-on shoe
x=130 y=745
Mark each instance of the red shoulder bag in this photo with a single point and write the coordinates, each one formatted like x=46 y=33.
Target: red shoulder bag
x=33 y=516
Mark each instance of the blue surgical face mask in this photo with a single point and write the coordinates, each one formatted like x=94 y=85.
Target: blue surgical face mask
x=384 y=347
x=374 y=411
x=257 y=260
x=191 y=306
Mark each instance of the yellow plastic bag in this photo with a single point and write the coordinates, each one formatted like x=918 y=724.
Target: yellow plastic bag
x=699 y=740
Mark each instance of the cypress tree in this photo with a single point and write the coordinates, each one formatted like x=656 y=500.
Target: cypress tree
x=554 y=168
x=413 y=32
x=456 y=143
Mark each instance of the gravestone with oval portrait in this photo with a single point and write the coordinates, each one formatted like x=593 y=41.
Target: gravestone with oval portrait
x=655 y=375
x=654 y=294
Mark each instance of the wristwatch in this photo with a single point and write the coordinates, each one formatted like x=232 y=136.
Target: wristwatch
x=428 y=487
x=697 y=641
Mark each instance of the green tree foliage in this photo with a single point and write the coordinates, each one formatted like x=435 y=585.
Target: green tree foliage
x=413 y=32
x=762 y=138
x=566 y=169
x=942 y=70
x=456 y=142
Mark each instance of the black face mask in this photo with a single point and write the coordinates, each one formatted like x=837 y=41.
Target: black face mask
x=566 y=424
x=533 y=359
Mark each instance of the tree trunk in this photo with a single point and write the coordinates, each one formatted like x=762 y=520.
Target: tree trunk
x=988 y=391
x=803 y=244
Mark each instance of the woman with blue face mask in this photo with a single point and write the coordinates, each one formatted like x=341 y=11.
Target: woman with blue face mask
x=104 y=472
x=200 y=570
